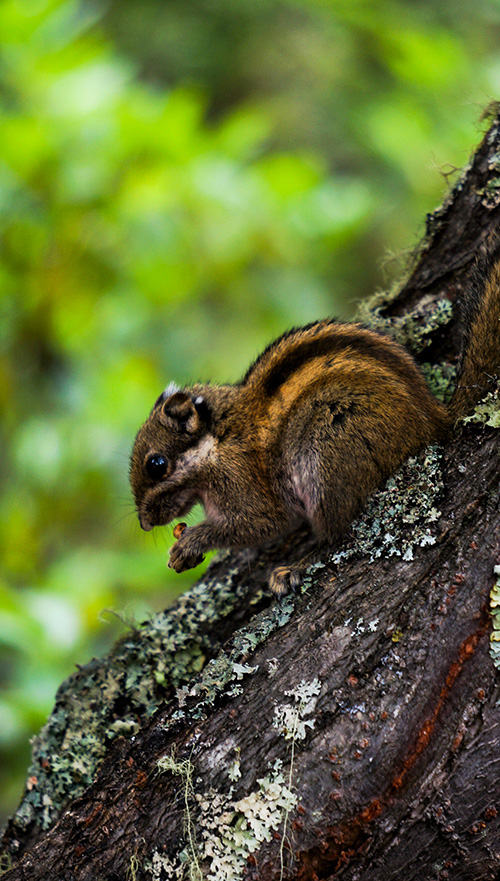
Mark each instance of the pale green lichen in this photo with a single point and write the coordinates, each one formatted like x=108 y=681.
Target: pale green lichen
x=400 y=517
x=487 y=411
x=233 y=830
x=291 y=719
x=360 y=626
x=241 y=670
x=223 y=673
x=309 y=576
x=227 y=830
x=162 y=868
x=441 y=379
x=415 y=328
x=491 y=191
x=495 y=617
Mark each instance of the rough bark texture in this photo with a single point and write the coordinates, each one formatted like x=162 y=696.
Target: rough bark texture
x=352 y=731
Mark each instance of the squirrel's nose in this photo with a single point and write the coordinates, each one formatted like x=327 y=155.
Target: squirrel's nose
x=145 y=524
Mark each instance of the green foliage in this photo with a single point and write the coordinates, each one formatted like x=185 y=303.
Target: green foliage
x=388 y=91
x=179 y=183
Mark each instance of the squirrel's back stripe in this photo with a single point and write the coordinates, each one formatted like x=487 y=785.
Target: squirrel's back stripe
x=280 y=342
x=277 y=367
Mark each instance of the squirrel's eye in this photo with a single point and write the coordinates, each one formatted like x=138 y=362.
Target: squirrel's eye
x=156 y=466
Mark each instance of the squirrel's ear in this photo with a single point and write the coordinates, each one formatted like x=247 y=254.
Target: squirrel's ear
x=179 y=412
x=170 y=389
x=202 y=409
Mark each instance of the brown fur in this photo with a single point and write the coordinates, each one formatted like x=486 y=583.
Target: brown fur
x=319 y=421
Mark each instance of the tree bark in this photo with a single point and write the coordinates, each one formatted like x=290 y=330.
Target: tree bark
x=351 y=731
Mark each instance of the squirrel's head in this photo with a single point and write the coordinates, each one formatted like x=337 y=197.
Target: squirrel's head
x=177 y=423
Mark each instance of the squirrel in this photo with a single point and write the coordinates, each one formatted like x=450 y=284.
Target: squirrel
x=319 y=421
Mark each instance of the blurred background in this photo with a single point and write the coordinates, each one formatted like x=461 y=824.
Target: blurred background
x=179 y=183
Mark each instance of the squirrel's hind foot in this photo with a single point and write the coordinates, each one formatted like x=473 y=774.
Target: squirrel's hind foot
x=285 y=579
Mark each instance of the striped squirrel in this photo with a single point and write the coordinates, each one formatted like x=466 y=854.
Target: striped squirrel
x=322 y=417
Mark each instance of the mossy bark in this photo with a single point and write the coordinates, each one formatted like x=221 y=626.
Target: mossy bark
x=351 y=731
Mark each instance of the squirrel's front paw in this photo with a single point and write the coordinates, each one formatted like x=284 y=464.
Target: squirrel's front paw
x=183 y=557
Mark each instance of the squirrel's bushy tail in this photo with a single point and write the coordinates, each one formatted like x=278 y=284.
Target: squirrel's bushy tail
x=480 y=352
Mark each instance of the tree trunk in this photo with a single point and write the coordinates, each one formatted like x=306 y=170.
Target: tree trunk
x=351 y=731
